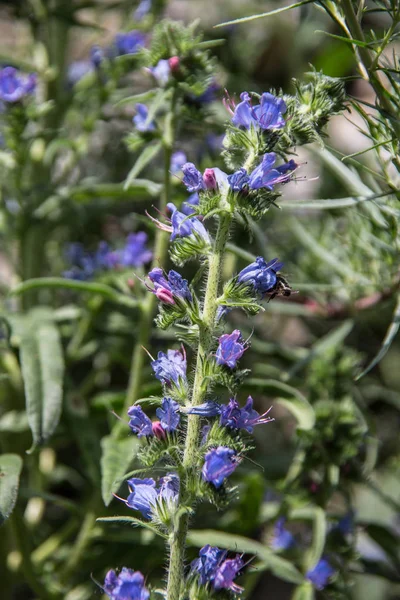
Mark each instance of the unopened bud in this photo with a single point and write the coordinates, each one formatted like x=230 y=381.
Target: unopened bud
x=158 y=430
x=210 y=181
x=174 y=63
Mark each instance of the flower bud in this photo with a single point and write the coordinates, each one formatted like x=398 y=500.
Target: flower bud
x=210 y=181
x=158 y=430
x=174 y=63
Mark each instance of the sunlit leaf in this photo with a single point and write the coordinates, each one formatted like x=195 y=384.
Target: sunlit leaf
x=10 y=469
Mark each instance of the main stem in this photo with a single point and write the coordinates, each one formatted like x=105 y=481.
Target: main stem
x=206 y=332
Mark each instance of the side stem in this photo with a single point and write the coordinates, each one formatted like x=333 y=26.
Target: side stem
x=206 y=333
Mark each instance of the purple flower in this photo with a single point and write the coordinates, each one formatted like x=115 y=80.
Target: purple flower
x=183 y=226
x=231 y=348
x=128 y=585
x=169 y=415
x=169 y=487
x=167 y=288
x=170 y=367
x=143 y=495
x=234 y=417
x=97 y=55
x=266 y=115
x=260 y=275
x=139 y=422
x=178 y=159
x=77 y=70
x=238 y=180
x=135 y=253
x=218 y=465
x=265 y=176
x=14 y=86
x=213 y=567
x=141 y=121
x=282 y=539
x=320 y=574
x=207 y=409
x=193 y=200
x=192 y=178
x=129 y=43
x=161 y=74
x=142 y=10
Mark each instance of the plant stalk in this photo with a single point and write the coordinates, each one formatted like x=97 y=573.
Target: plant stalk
x=206 y=334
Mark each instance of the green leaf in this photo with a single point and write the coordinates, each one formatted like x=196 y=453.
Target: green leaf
x=277 y=565
x=117 y=455
x=289 y=397
x=305 y=591
x=145 y=157
x=266 y=14
x=42 y=366
x=10 y=469
x=331 y=203
x=143 y=97
x=388 y=339
x=14 y=421
x=134 y=522
x=350 y=40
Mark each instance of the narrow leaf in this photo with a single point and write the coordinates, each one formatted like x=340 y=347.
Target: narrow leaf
x=277 y=565
x=10 y=469
x=305 y=591
x=144 y=159
x=143 y=97
x=117 y=455
x=134 y=522
x=266 y=14
x=332 y=203
x=42 y=366
x=387 y=342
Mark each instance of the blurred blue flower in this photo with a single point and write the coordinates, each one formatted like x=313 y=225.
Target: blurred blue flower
x=170 y=367
x=14 y=86
x=208 y=96
x=142 y=10
x=219 y=463
x=139 y=422
x=141 y=121
x=193 y=200
x=231 y=347
x=183 y=225
x=128 y=585
x=165 y=288
x=282 y=539
x=135 y=253
x=130 y=42
x=161 y=73
x=97 y=55
x=266 y=115
x=77 y=70
x=178 y=159
x=213 y=567
x=320 y=574
x=235 y=417
x=192 y=178
x=265 y=176
x=260 y=275
x=169 y=415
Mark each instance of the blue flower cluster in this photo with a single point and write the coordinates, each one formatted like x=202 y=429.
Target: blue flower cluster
x=85 y=265
x=169 y=288
x=171 y=367
x=232 y=415
x=145 y=495
x=182 y=225
x=14 y=86
x=214 y=568
x=266 y=115
x=128 y=585
x=168 y=415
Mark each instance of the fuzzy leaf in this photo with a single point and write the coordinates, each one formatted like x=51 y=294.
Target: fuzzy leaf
x=117 y=455
x=266 y=14
x=143 y=160
x=134 y=522
x=305 y=591
x=42 y=366
x=10 y=469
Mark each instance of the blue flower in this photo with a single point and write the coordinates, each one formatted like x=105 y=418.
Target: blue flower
x=170 y=367
x=97 y=55
x=128 y=585
x=77 y=70
x=207 y=409
x=14 y=86
x=135 y=253
x=282 y=539
x=320 y=574
x=169 y=415
x=183 y=225
x=166 y=288
x=260 y=275
x=142 y=10
x=213 y=567
x=192 y=178
x=139 y=422
x=265 y=176
x=219 y=463
x=234 y=417
x=238 y=180
x=230 y=349
x=178 y=159
x=129 y=43
x=193 y=200
x=143 y=495
x=161 y=74
x=266 y=115
x=141 y=121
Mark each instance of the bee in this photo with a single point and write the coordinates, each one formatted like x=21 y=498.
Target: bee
x=281 y=288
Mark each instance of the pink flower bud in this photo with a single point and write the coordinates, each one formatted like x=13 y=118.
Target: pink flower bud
x=174 y=63
x=158 y=430
x=131 y=283
x=209 y=179
x=165 y=296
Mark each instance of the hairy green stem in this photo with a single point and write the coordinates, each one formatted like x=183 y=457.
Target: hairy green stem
x=206 y=334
